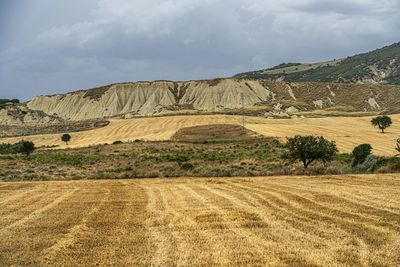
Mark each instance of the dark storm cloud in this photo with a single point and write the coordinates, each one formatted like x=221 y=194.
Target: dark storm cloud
x=58 y=46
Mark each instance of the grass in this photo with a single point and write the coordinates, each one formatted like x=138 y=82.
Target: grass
x=230 y=158
x=226 y=151
x=335 y=113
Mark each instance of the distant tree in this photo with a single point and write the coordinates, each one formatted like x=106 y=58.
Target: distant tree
x=382 y=122
x=360 y=153
x=308 y=149
x=65 y=138
x=25 y=147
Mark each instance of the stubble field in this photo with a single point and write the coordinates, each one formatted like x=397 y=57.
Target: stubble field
x=348 y=132
x=324 y=220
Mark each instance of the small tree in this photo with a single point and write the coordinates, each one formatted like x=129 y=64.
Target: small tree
x=25 y=147
x=307 y=149
x=66 y=138
x=382 y=122
x=360 y=153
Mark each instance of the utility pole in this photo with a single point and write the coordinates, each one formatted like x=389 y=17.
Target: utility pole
x=243 y=124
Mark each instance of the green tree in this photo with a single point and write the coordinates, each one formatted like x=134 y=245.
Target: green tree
x=382 y=122
x=360 y=153
x=308 y=149
x=65 y=138
x=25 y=147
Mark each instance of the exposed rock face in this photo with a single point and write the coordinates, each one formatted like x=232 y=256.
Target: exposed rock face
x=21 y=114
x=149 y=98
x=161 y=97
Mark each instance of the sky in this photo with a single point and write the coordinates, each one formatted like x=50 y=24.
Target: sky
x=50 y=47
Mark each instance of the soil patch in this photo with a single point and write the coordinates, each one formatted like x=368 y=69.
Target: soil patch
x=214 y=132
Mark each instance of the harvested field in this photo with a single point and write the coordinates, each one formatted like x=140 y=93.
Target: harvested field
x=309 y=221
x=347 y=132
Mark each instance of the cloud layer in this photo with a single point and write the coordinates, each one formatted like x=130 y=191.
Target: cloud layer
x=61 y=48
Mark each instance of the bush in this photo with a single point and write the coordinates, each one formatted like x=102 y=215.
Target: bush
x=24 y=147
x=117 y=142
x=360 y=152
x=187 y=166
x=308 y=149
x=7 y=149
x=389 y=164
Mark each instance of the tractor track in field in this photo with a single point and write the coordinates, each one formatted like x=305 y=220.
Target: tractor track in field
x=320 y=220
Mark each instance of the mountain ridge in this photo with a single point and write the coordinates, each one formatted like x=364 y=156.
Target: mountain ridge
x=380 y=66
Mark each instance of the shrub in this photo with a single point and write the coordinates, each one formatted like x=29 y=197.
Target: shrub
x=308 y=149
x=360 y=152
x=392 y=164
x=117 y=142
x=187 y=166
x=6 y=149
x=25 y=147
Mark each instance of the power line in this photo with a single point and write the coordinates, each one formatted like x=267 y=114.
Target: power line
x=243 y=124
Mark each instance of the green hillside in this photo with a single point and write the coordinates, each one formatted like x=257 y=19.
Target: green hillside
x=379 y=66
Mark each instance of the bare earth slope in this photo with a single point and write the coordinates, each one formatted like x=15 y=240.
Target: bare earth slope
x=347 y=132
x=351 y=220
x=128 y=100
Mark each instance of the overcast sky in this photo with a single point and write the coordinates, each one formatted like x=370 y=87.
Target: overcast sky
x=57 y=46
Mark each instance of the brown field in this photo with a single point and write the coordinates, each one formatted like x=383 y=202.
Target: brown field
x=346 y=131
x=280 y=221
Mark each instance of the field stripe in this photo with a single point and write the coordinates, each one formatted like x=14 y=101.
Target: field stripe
x=45 y=201
x=50 y=255
x=156 y=227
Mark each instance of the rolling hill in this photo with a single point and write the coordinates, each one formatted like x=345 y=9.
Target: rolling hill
x=381 y=66
x=218 y=96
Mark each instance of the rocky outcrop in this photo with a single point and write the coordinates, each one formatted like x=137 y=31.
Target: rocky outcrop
x=150 y=98
x=21 y=114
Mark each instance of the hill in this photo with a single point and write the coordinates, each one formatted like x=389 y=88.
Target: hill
x=218 y=96
x=381 y=66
